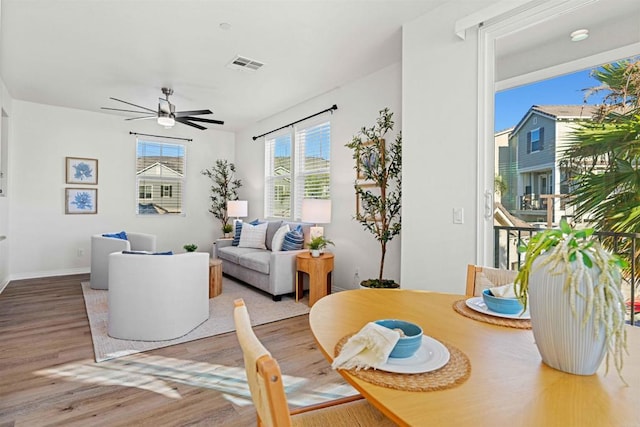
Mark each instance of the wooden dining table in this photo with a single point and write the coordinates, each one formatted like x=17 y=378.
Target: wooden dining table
x=508 y=384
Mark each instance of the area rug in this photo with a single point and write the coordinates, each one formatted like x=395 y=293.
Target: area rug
x=262 y=309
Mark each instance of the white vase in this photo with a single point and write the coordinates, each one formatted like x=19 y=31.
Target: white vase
x=315 y=253
x=563 y=341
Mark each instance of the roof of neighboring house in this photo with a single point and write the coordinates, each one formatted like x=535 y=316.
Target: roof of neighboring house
x=152 y=171
x=503 y=217
x=558 y=112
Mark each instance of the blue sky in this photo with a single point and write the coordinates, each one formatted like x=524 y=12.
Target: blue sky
x=511 y=105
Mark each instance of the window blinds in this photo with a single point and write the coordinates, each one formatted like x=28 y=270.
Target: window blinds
x=313 y=158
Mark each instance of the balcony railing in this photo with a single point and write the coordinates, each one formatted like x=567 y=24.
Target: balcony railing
x=506 y=256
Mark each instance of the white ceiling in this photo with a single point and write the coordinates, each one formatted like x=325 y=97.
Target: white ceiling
x=78 y=53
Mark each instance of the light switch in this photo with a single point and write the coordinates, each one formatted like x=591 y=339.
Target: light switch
x=458 y=215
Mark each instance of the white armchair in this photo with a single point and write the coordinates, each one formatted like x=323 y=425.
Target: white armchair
x=101 y=247
x=157 y=297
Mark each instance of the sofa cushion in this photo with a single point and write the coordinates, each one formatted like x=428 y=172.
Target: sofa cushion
x=257 y=261
x=236 y=235
x=233 y=253
x=271 y=231
x=293 y=240
x=278 y=238
x=253 y=236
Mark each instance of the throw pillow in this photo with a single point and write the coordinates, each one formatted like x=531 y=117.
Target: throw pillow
x=121 y=235
x=238 y=232
x=271 y=232
x=293 y=240
x=278 y=238
x=253 y=236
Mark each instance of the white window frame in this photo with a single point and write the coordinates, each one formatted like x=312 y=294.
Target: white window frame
x=297 y=173
x=487 y=86
x=145 y=192
x=537 y=140
x=179 y=180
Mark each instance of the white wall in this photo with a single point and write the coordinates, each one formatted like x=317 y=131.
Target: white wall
x=440 y=97
x=5 y=105
x=45 y=241
x=358 y=103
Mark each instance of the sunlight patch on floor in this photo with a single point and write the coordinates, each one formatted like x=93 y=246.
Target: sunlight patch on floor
x=158 y=373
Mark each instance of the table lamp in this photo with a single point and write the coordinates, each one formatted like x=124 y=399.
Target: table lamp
x=237 y=209
x=317 y=211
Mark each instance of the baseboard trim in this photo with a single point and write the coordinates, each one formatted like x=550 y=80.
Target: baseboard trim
x=49 y=273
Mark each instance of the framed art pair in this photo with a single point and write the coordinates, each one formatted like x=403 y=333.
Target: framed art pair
x=81 y=171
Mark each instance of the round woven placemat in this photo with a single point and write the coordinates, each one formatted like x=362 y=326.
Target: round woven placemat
x=461 y=307
x=455 y=372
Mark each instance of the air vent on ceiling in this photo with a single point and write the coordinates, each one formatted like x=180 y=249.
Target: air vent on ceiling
x=243 y=63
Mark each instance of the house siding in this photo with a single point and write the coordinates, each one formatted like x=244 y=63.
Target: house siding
x=529 y=161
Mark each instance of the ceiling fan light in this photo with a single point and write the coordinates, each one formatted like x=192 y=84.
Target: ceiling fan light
x=166 y=121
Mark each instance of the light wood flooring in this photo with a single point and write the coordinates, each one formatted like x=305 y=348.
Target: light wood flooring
x=48 y=375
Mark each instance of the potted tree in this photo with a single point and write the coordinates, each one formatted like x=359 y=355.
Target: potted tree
x=572 y=285
x=224 y=188
x=379 y=188
x=317 y=244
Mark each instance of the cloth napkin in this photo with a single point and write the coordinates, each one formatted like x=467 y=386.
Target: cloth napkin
x=504 y=291
x=369 y=348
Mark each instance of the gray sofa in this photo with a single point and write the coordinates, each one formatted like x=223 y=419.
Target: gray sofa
x=272 y=272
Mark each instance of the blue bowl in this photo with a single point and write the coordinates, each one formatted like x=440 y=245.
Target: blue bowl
x=408 y=344
x=501 y=305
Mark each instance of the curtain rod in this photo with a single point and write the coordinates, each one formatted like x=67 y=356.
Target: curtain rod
x=333 y=107
x=160 y=136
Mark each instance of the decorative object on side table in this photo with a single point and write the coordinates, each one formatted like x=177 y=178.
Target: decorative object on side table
x=379 y=196
x=577 y=309
x=318 y=244
x=190 y=247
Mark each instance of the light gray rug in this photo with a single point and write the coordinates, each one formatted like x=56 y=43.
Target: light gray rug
x=262 y=309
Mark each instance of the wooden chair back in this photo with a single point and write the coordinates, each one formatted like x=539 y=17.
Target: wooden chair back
x=480 y=278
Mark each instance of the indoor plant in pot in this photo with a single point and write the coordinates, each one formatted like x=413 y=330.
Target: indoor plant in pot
x=572 y=285
x=224 y=188
x=379 y=187
x=317 y=244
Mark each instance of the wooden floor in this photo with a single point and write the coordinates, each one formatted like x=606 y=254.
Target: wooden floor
x=48 y=375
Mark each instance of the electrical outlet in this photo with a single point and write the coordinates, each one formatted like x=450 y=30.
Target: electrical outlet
x=80 y=252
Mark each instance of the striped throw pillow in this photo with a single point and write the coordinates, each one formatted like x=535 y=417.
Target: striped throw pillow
x=236 y=236
x=293 y=240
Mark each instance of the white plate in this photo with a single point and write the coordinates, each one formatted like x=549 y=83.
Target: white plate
x=431 y=355
x=477 y=304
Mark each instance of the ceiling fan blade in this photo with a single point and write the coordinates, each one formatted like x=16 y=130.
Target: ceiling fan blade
x=186 y=122
x=155 y=116
x=128 y=111
x=198 y=119
x=164 y=106
x=129 y=103
x=193 y=113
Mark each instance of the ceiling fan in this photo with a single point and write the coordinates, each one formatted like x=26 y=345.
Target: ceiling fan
x=166 y=114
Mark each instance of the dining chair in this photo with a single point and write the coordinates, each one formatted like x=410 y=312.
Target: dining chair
x=267 y=390
x=480 y=278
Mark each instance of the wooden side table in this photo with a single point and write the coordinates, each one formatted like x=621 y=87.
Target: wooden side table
x=319 y=270
x=215 y=277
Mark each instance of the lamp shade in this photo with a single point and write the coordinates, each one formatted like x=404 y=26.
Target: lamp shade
x=317 y=211
x=237 y=208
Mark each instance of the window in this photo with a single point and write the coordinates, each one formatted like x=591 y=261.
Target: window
x=535 y=140
x=166 y=191
x=146 y=192
x=159 y=177
x=297 y=167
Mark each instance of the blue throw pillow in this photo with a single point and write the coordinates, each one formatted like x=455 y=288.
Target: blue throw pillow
x=236 y=236
x=121 y=235
x=147 y=253
x=293 y=240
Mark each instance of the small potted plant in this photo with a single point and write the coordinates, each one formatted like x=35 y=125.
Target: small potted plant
x=227 y=229
x=577 y=310
x=190 y=247
x=318 y=244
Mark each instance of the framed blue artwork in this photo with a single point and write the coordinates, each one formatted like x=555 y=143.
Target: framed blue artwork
x=82 y=171
x=81 y=201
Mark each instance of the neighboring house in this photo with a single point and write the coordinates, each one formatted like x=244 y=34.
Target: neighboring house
x=159 y=189
x=532 y=163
